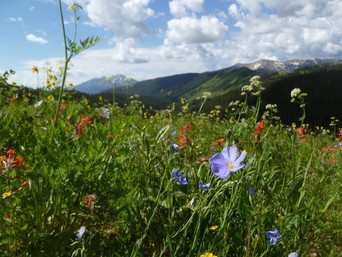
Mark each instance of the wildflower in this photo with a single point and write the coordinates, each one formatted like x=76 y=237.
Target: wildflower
x=79 y=236
x=295 y=92
x=301 y=132
x=208 y=255
x=174 y=146
x=252 y=191
x=84 y=122
x=179 y=177
x=6 y=194
x=293 y=254
x=183 y=138
x=340 y=135
x=35 y=69
x=222 y=164
x=213 y=228
x=258 y=130
x=74 y=7
x=273 y=236
x=89 y=200
x=106 y=113
x=218 y=142
x=203 y=186
x=36 y=105
x=11 y=162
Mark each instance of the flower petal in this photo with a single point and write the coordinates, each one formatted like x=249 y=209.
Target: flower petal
x=241 y=157
x=219 y=165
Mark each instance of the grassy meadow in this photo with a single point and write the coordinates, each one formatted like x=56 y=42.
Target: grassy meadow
x=105 y=180
x=108 y=180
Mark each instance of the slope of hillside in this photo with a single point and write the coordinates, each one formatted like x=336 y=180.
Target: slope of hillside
x=322 y=84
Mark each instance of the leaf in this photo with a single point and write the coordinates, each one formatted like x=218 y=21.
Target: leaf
x=329 y=202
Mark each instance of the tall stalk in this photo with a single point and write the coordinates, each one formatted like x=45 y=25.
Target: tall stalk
x=71 y=49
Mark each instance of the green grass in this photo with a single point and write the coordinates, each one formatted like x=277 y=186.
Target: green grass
x=135 y=207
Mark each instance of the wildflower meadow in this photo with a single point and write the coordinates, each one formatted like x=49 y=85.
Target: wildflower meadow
x=80 y=179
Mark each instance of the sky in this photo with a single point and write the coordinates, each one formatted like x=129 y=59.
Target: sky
x=146 y=39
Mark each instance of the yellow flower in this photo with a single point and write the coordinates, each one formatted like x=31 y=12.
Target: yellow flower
x=6 y=194
x=71 y=85
x=213 y=228
x=208 y=255
x=35 y=69
x=50 y=98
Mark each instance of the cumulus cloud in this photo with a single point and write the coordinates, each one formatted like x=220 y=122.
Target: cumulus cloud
x=128 y=52
x=191 y=30
x=35 y=39
x=125 y=18
x=181 y=8
x=292 y=29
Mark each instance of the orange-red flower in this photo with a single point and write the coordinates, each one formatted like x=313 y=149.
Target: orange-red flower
x=301 y=132
x=183 y=136
x=83 y=123
x=258 y=130
x=89 y=200
x=218 y=142
x=11 y=162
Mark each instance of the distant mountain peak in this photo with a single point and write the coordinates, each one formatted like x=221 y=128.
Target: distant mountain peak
x=284 y=66
x=98 y=85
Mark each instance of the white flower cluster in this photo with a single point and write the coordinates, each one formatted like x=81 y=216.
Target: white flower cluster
x=255 y=86
x=296 y=92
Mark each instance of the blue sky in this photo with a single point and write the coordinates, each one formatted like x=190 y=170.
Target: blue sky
x=146 y=39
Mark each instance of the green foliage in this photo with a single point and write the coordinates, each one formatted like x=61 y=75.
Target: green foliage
x=95 y=180
x=108 y=168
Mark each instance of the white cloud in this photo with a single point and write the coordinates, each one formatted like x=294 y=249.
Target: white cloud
x=35 y=39
x=127 y=52
x=181 y=8
x=18 y=19
x=126 y=18
x=287 y=29
x=192 y=30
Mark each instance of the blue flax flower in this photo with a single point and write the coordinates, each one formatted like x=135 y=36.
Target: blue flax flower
x=179 y=177
x=294 y=254
x=79 y=236
x=174 y=146
x=273 y=236
x=203 y=186
x=222 y=164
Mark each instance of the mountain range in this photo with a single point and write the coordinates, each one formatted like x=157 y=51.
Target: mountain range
x=98 y=85
x=321 y=79
x=188 y=81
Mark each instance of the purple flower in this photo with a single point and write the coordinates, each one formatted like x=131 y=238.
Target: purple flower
x=203 y=186
x=273 y=236
x=179 y=177
x=222 y=164
x=80 y=232
x=173 y=146
x=252 y=191
x=79 y=236
x=294 y=254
